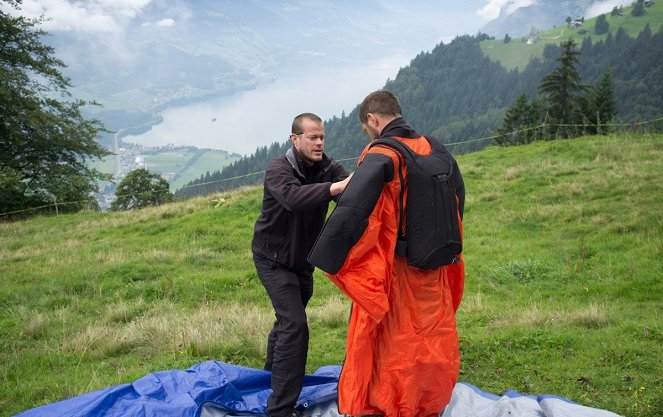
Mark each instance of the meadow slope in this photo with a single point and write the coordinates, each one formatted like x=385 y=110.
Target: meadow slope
x=518 y=53
x=564 y=292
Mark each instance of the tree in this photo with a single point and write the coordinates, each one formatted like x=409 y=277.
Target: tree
x=602 y=26
x=44 y=139
x=507 y=38
x=638 y=8
x=141 y=188
x=521 y=123
x=603 y=105
x=561 y=90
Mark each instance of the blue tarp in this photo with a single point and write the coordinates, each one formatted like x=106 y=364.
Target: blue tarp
x=219 y=389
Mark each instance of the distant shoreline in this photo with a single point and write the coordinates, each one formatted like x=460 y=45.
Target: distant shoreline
x=157 y=118
x=179 y=102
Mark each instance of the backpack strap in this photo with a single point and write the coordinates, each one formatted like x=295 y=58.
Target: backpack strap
x=402 y=150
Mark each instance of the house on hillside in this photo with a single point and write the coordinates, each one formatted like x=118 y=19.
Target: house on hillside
x=576 y=23
x=533 y=36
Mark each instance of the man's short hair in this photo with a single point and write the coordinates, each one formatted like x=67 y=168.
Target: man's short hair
x=380 y=102
x=297 y=128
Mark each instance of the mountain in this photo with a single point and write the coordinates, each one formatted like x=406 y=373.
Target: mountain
x=459 y=92
x=215 y=47
x=172 y=52
x=539 y=14
x=140 y=59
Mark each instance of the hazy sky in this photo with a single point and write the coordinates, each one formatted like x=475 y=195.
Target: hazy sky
x=112 y=15
x=460 y=16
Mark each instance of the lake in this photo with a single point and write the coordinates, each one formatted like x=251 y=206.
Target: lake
x=246 y=120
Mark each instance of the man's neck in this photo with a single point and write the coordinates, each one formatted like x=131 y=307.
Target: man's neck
x=399 y=127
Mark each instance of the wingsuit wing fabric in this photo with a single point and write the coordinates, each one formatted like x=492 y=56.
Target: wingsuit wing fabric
x=217 y=389
x=402 y=356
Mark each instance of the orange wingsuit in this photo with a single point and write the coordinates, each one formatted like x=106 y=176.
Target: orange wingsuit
x=402 y=356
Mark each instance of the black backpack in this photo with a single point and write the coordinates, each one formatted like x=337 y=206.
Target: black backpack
x=432 y=238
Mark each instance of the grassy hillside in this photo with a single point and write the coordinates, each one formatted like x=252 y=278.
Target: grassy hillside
x=564 y=294
x=517 y=53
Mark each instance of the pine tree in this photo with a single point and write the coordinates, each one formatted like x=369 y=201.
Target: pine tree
x=604 y=104
x=521 y=123
x=602 y=26
x=561 y=90
x=638 y=9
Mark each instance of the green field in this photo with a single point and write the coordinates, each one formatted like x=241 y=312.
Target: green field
x=564 y=291
x=207 y=161
x=517 y=53
x=188 y=163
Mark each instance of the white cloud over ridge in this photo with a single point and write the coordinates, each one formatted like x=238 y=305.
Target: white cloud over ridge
x=491 y=10
x=107 y=16
x=605 y=6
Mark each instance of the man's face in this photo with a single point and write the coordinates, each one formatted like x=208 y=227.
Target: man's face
x=311 y=142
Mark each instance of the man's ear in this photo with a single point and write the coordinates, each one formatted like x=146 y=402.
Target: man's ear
x=371 y=119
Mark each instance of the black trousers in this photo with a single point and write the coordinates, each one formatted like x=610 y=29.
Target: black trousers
x=287 y=345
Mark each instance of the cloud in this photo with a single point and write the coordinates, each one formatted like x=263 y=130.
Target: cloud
x=89 y=16
x=166 y=22
x=491 y=10
x=605 y=6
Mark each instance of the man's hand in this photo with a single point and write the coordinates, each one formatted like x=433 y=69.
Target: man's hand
x=338 y=187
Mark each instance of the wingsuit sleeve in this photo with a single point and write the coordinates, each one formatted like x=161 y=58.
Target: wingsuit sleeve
x=359 y=276
x=456 y=271
x=459 y=185
x=349 y=220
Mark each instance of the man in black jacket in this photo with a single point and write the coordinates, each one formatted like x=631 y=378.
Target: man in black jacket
x=298 y=188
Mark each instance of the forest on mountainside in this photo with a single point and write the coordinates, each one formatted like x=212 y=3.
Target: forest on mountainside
x=457 y=94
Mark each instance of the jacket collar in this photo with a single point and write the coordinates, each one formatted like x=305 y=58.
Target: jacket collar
x=400 y=128
x=298 y=163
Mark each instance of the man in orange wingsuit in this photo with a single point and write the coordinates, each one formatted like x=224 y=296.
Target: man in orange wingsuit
x=402 y=357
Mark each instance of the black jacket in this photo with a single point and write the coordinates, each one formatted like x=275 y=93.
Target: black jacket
x=294 y=208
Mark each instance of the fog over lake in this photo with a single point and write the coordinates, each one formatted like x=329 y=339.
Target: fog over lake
x=246 y=120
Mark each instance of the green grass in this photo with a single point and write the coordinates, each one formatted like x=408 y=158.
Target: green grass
x=207 y=161
x=564 y=254
x=517 y=54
